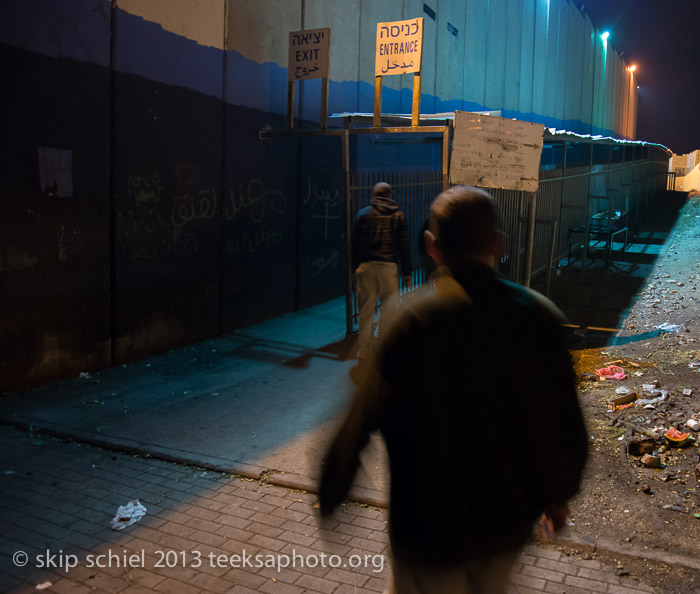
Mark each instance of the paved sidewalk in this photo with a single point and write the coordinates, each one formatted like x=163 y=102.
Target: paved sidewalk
x=58 y=499
x=264 y=400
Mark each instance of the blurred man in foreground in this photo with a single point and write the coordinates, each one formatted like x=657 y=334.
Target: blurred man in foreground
x=473 y=390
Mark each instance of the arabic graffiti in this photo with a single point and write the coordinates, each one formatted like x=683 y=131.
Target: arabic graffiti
x=198 y=206
x=14 y=259
x=318 y=265
x=143 y=235
x=141 y=243
x=255 y=201
x=261 y=206
x=249 y=243
x=324 y=204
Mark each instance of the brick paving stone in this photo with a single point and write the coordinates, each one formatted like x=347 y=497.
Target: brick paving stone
x=290 y=514
x=535 y=583
x=245 y=578
x=271 y=544
x=555 y=565
x=317 y=583
x=233 y=521
x=369 y=523
x=542 y=552
x=171 y=586
x=265 y=529
x=297 y=539
x=267 y=519
x=64 y=496
x=277 y=587
x=352 y=530
x=593 y=574
x=586 y=583
x=66 y=586
x=367 y=545
x=552 y=588
x=345 y=589
x=545 y=574
x=288 y=576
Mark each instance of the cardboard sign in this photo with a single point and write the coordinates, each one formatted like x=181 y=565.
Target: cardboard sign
x=399 y=47
x=309 y=53
x=493 y=152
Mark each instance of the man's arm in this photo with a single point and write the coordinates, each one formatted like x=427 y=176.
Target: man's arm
x=343 y=458
x=553 y=415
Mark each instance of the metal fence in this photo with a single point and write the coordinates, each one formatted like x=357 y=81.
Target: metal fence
x=578 y=179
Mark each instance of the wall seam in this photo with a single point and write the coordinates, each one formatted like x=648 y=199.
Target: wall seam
x=224 y=103
x=111 y=188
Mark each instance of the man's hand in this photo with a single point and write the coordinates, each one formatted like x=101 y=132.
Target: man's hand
x=553 y=519
x=407 y=281
x=557 y=514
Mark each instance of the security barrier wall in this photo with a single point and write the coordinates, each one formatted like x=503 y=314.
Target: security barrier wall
x=140 y=211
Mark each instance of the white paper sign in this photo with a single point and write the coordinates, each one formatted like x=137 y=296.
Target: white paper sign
x=493 y=152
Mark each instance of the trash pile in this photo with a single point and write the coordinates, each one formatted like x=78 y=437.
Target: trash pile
x=661 y=427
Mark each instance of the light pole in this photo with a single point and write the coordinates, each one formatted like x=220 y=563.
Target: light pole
x=631 y=104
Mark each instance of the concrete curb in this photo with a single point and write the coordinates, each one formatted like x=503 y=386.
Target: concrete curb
x=605 y=545
x=223 y=465
x=298 y=482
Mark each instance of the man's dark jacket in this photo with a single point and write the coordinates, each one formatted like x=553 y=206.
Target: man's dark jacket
x=380 y=234
x=474 y=393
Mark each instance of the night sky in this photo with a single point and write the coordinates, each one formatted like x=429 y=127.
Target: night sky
x=661 y=38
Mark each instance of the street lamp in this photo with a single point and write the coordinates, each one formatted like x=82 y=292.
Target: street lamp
x=630 y=103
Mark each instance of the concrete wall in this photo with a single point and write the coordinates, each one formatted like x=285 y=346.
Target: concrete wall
x=139 y=211
x=687 y=169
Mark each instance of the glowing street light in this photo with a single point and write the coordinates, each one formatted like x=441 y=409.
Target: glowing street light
x=604 y=36
x=633 y=68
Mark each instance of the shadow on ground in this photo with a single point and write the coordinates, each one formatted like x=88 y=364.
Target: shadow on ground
x=595 y=297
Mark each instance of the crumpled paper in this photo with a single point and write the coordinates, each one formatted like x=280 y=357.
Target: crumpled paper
x=128 y=514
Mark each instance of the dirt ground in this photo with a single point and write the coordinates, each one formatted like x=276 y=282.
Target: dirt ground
x=652 y=298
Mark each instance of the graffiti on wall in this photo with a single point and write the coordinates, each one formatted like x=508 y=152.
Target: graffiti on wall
x=143 y=234
x=255 y=206
x=317 y=265
x=14 y=259
x=324 y=204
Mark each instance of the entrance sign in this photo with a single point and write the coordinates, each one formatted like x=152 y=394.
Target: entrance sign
x=399 y=51
x=399 y=47
x=493 y=152
x=308 y=54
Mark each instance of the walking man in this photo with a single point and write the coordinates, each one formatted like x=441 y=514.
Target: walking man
x=379 y=242
x=474 y=393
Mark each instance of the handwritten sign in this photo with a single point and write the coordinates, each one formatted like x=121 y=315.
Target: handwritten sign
x=493 y=152
x=399 y=47
x=308 y=54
